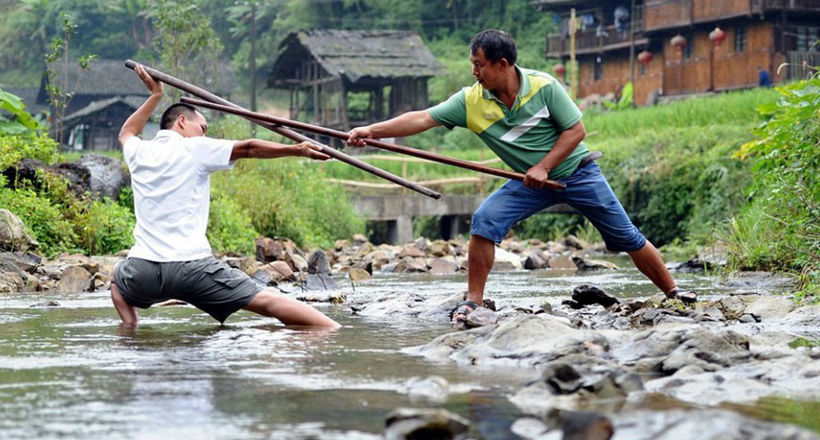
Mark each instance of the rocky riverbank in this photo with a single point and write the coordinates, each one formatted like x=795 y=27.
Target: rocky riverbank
x=646 y=368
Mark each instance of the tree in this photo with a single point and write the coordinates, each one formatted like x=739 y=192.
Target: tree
x=59 y=96
x=187 y=44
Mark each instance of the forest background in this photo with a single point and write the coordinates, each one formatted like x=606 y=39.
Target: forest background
x=735 y=171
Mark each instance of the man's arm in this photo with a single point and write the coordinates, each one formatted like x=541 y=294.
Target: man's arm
x=537 y=176
x=136 y=122
x=259 y=149
x=407 y=124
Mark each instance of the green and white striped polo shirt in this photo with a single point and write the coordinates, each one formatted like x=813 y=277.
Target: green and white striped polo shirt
x=523 y=135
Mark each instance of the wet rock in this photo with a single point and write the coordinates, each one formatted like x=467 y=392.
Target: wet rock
x=323 y=296
x=586 y=294
x=586 y=425
x=506 y=261
x=74 y=279
x=480 y=317
x=769 y=307
x=732 y=306
x=11 y=282
x=443 y=266
x=562 y=262
x=297 y=262
x=749 y=318
x=320 y=282
x=411 y=250
x=411 y=265
x=45 y=304
x=530 y=428
x=268 y=249
x=433 y=389
x=668 y=349
x=278 y=271
x=523 y=340
x=761 y=282
x=439 y=248
x=13 y=234
x=572 y=241
x=356 y=275
x=375 y=259
x=317 y=263
x=712 y=423
x=535 y=259
x=417 y=424
x=590 y=264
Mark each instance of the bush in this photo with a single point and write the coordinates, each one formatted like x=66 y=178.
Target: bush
x=27 y=145
x=289 y=197
x=229 y=226
x=784 y=213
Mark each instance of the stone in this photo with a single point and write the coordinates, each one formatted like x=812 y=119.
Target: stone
x=586 y=294
x=317 y=263
x=106 y=176
x=411 y=265
x=573 y=242
x=417 y=423
x=439 y=248
x=320 y=281
x=480 y=317
x=434 y=389
x=268 y=249
x=586 y=425
x=590 y=264
x=74 y=279
x=359 y=239
x=11 y=282
x=13 y=234
x=356 y=275
x=769 y=307
x=562 y=262
x=506 y=261
x=279 y=271
x=535 y=259
x=297 y=262
x=411 y=250
x=443 y=266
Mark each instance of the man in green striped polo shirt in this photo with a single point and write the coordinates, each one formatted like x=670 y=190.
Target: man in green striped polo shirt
x=529 y=121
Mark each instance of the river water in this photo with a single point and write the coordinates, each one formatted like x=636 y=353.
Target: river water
x=69 y=372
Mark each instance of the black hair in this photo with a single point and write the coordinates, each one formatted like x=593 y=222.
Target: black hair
x=170 y=115
x=495 y=44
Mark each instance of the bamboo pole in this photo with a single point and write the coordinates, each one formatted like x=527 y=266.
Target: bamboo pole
x=372 y=142
x=290 y=134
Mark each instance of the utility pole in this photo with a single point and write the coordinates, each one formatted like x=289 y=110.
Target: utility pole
x=573 y=85
x=253 y=64
x=632 y=51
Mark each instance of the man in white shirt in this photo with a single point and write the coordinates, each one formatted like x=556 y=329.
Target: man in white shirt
x=171 y=259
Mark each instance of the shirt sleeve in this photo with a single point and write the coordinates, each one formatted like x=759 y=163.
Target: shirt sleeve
x=563 y=110
x=129 y=149
x=212 y=154
x=452 y=112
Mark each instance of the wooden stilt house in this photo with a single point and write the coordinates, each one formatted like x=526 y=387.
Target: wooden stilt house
x=679 y=47
x=346 y=78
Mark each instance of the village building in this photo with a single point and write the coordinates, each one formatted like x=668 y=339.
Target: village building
x=103 y=96
x=345 y=78
x=680 y=47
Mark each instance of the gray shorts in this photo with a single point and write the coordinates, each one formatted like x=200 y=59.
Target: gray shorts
x=209 y=284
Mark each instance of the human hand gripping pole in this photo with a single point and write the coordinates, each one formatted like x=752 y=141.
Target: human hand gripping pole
x=372 y=142
x=209 y=97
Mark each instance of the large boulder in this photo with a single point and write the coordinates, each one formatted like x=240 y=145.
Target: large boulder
x=106 y=175
x=13 y=235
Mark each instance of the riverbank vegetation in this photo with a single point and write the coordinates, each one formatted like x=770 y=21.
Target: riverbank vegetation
x=735 y=169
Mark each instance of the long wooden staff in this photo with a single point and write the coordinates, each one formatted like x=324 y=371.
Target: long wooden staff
x=435 y=157
x=211 y=98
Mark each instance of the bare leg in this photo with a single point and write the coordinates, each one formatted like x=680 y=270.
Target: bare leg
x=648 y=260
x=481 y=255
x=288 y=310
x=127 y=312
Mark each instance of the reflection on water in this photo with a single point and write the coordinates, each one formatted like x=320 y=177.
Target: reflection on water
x=70 y=372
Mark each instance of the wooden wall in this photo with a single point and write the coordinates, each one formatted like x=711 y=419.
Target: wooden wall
x=660 y=14
x=708 y=10
x=616 y=74
x=730 y=69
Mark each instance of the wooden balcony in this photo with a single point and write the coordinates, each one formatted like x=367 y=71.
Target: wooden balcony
x=670 y=14
x=594 y=40
x=786 y=5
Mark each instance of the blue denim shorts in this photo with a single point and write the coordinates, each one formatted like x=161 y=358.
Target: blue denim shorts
x=587 y=191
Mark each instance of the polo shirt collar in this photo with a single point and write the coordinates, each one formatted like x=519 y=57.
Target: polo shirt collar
x=167 y=134
x=523 y=89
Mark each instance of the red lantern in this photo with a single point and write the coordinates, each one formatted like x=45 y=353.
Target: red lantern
x=559 y=69
x=717 y=36
x=679 y=41
x=645 y=57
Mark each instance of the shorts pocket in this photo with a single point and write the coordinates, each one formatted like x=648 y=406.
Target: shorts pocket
x=229 y=279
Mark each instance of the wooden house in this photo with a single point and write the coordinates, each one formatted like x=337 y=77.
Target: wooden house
x=687 y=46
x=104 y=95
x=344 y=78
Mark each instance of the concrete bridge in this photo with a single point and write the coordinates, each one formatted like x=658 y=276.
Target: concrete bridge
x=398 y=212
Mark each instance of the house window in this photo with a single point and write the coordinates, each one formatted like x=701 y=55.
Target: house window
x=598 y=69
x=806 y=37
x=740 y=39
x=689 y=49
